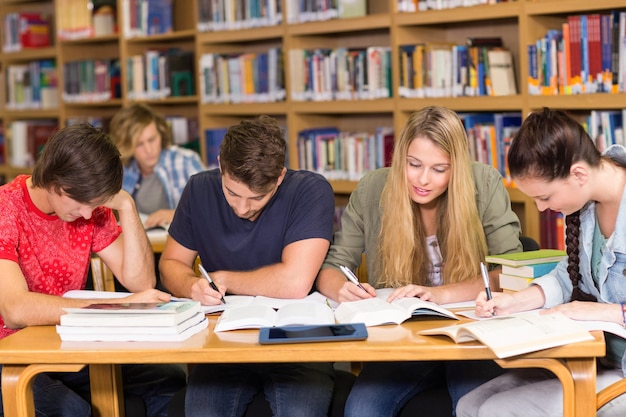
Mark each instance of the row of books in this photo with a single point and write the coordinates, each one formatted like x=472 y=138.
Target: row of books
x=340 y=74
x=86 y=18
x=184 y=130
x=552 y=229
x=32 y=85
x=157 y=74
x=482 y=67
x=519 y=269
x=489 y=137
x=422 y=5
x=25 y=30
x=299 y=11
x=173 y=321
x=147 y=17
x=213 y=139
x=26 y=140
x=238 y=14
x=243 y=78
x=606 y=127
x=91 y=80
x=342 y=155
x=587 y=55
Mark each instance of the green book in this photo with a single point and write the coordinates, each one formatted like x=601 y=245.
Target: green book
x=527 y=258
x=352 y=8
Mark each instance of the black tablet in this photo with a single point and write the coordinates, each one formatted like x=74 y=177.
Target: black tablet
x=314 y=333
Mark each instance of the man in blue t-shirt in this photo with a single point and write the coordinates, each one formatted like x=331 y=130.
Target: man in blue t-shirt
x=259 y=229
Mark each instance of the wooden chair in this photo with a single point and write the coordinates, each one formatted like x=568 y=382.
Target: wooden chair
x=611 y=392
x=103 y=280
x=101 y=275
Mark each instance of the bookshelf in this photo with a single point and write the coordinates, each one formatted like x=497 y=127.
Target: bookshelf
x=519 y=23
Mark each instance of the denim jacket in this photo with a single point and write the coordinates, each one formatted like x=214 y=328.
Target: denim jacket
x=174 y=168
x=611 y=285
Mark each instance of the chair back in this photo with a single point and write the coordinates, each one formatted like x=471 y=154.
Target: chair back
x=101 y=274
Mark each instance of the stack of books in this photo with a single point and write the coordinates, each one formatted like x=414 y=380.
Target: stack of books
x=519 y=269
x=154 y=322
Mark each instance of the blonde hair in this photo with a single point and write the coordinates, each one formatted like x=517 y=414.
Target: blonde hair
x=402 y=257
x=127 y=125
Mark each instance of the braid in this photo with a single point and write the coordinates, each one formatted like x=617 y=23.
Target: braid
x=573 y=251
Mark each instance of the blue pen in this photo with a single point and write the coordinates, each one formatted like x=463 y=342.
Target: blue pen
x=208 y=278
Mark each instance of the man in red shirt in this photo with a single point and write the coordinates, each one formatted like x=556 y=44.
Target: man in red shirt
x=50 y=223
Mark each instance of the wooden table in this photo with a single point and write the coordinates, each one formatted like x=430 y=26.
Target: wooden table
x=39 y=349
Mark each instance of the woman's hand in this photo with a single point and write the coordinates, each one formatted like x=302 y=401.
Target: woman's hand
x=352 y=292
x=432 y=294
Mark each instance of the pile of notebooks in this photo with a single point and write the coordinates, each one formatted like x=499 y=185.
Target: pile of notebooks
x=520 y=269
x=155 y=322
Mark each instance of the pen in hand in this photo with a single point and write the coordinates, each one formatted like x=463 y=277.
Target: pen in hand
x=351 y=277
x=485 y=274
x=211 y=283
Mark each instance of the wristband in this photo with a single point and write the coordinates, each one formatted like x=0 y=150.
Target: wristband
x=623 y=315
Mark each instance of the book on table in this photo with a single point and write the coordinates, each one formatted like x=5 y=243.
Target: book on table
x=171 y=321
x=378 y=311
x=518 y=333
x=529 y=271
x=527 y=258
x=514 y=282
x=254 y=316
x=316 y=309
x=175 y=333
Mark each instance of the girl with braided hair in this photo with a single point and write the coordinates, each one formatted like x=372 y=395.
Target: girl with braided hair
x=553 y=160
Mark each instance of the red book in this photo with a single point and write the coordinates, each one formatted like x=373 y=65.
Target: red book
x=38 y=134
x=594 y=40
x=574 y=46
x=34 y=30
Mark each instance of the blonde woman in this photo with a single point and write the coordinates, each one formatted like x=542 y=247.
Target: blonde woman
x=424 y=225
x=155 y=172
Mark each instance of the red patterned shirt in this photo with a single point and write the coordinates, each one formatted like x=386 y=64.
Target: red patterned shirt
x=52 y=254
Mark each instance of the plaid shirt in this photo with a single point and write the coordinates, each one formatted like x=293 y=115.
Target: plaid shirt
x=176 y=165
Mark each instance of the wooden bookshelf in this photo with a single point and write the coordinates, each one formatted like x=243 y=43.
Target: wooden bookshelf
x=519 y=23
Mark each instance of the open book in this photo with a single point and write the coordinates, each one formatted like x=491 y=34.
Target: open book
x=254 y=316
x=517 y=333
x=233 y=301
x=377 y=311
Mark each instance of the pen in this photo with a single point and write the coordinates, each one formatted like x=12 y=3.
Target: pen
x=208 y=278
x=485 y=273
x=351 y=277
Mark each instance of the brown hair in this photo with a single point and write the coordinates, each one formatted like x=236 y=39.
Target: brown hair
x=253 y=152
x=129 y=122
x=81 y=161
x=546 y=146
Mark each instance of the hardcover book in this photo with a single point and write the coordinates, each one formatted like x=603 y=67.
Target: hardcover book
x=501 y=72
x=131 y=314
x=527 y=258
x=514 y=283
x=529 y=271
x=175 y=333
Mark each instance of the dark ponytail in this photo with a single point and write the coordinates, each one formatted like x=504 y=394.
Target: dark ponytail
x=572 y=243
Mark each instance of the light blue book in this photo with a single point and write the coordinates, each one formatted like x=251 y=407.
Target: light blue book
x=529 y=271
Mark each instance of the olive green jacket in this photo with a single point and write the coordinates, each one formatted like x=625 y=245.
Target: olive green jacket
x=360 y=222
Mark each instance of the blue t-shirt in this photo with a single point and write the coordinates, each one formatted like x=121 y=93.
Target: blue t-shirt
x=301 y=208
